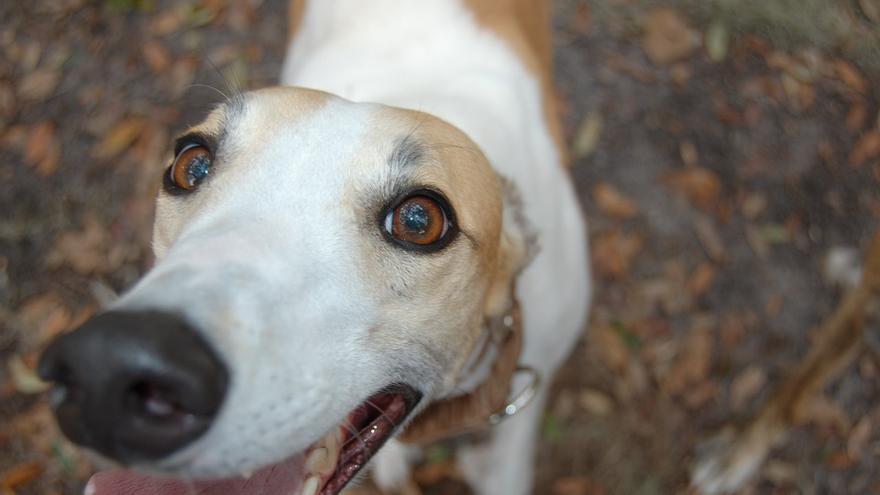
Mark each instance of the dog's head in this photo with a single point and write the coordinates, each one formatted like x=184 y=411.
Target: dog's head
x=324 y=269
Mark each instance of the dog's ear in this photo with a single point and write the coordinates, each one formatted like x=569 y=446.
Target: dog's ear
x=517 y=246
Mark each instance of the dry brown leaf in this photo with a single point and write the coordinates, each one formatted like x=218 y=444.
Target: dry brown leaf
x=582 y=19
x=871 y=9
x=857 y=116
x=120 y=137
x=823 y=412
x=701 y=280
x=613 y=253
x=41 y=318
x=851 y=76
x=586 y=137
x=689 y=154
x=577 y=485
x=859 y=437
x=746 y=385
x=24 y=378
x=613 y=202
x=612 y=351
x=20 y=475
x=595 y=402
x=167 y=22
x=39 y=84
x=7 y=102
x=692 y=362
x=710 y=238
x=181 y=76
x=156 y=56
x=42 y=150
x=39 y=140
x=867 y=148
x=85 y=251
x=667 y=37
x=700 y=185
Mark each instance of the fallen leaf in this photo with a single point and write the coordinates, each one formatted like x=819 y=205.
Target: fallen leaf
x=717 y=41
x=866 y=148
x=851 y=76
x=39 y=84
x=25 y=379
x=156 y=56
x=39 y=140
x=692 y=362
x=823 y=412
x=700 y=185
x=84 y=251
x=596 y=403
x=167 y=22
x=613 y=202
x=577 y=485
x=667 y=37
x=42 y=150
x=857 y=116
x=859 y=437
x=746 y=384
x=7 y=103
x=840 y=460
x=780 y=472
x=689 y=154
x=40 y=318
x=611 y=348
x=613 y=253
x=20 y=475
x=586 y=138
x=582 y=19
x=120 y=137
x=710 y=238
x=871 y=9
x=701 y=280
x=181 y=76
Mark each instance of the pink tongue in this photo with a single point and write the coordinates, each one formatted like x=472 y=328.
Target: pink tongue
x=284 y=478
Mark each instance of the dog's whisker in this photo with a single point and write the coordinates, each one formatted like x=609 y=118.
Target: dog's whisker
x=202 y=85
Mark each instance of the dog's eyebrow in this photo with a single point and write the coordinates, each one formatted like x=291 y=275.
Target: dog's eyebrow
x=407 y=152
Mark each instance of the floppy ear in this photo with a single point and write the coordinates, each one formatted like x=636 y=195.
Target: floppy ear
x=517 y=246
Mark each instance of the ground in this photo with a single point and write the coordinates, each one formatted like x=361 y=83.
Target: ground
x=726 y=158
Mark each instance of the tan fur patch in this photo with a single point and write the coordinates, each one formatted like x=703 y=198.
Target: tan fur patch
x=526 y=25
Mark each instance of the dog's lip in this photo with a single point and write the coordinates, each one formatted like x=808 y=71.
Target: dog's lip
x=325 y=468
x=368 y=427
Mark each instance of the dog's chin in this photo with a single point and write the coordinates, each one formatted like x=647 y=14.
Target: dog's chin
x=324 y=468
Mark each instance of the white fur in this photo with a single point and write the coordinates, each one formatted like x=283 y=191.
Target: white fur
x=432 y=56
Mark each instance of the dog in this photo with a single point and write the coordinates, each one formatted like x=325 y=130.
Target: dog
x=331 y=260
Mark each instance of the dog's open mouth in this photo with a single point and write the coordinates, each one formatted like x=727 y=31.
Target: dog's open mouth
x=324 y=468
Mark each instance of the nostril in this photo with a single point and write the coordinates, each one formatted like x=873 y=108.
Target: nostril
x=154 y=402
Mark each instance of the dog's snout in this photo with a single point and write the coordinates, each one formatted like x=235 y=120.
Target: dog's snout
x=134 y=386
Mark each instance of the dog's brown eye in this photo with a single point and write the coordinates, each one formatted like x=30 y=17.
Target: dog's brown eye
x=419 y=220
x=190 y=167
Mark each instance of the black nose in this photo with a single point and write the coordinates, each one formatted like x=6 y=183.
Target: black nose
x=134 y=386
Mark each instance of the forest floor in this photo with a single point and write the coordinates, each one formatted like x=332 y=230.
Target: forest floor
x=730 y=171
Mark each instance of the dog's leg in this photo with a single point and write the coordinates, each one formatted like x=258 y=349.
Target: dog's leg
x=505 y=463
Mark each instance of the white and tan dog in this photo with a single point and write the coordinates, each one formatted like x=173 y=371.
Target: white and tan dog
x=328 y=262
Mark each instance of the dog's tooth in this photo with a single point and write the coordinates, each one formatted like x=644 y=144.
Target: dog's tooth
x=331 y=442
x=310 y=487
x=320 y=462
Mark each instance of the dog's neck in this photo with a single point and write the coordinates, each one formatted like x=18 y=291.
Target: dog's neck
x=431 y=56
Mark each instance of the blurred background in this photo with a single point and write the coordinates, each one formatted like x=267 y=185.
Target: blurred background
x=727 y=153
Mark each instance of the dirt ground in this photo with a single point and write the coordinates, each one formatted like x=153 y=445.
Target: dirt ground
x=723 y=172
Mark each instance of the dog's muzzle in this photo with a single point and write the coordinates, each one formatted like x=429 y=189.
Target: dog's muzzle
x=134 y=386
